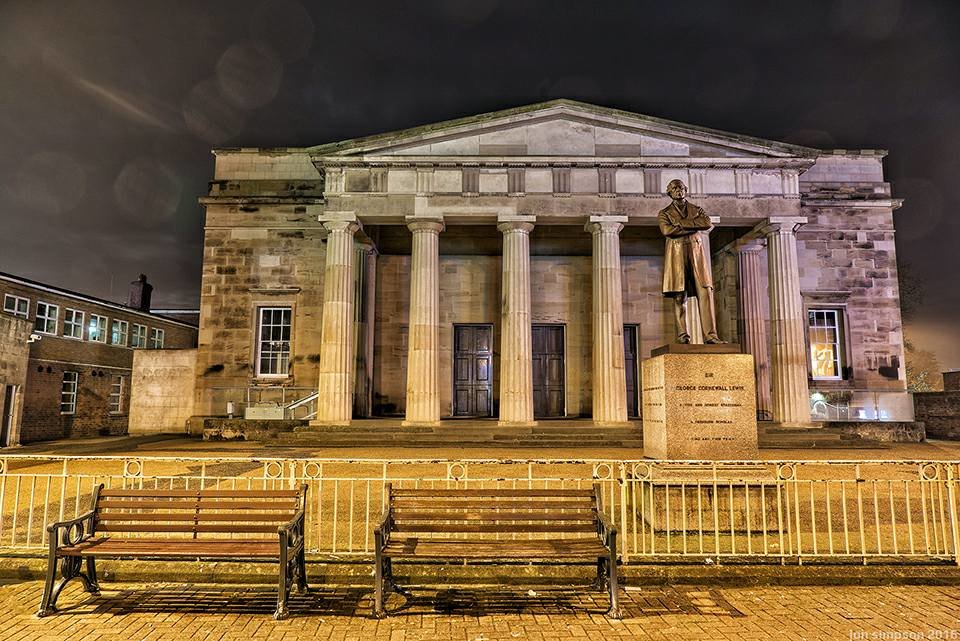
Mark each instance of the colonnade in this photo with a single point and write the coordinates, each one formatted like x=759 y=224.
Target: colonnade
x=783 y=384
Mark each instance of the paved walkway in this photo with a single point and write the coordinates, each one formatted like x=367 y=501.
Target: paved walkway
x=128 y=612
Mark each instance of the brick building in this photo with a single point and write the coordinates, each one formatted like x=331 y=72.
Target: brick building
x=77 y=369
x=491 y=266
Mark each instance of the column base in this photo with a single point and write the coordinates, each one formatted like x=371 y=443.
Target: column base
x=792 y=425
x=328 y=423
x=517 y=423
x=420 y=424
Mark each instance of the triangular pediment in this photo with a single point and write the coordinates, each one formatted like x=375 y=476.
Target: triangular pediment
x=562 y=128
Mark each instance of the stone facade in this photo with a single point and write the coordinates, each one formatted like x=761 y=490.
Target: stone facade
x=161 y=390
x=100 y=402
x=507 y=196
x=939 y=412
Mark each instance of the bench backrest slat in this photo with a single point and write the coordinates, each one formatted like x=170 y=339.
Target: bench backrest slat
x=195 y=512
x=492 y=511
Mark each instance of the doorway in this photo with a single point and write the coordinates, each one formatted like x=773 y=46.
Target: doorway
x=548 y=372
x=630 y=368
x=6 y=413
x=473 y=371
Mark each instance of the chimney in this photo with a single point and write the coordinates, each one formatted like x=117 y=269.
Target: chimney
x=140 y=291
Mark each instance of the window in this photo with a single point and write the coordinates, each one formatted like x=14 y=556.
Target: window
x=273 y=341
x=156 y=338
x=116 y=395
x=68 y=393
x=97 y=330
x=16 y=305
x=139 y=336
x=823 y=329
x=118 y=335
x=73 y=323
x=47 y=314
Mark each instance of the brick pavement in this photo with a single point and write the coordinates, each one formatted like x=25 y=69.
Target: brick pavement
x=134 y=612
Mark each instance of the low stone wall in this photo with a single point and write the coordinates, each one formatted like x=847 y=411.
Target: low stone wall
x=940 y=411
x=885 y=431
x=161 y=391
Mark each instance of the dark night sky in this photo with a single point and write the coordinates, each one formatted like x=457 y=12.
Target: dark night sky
x=108 y=109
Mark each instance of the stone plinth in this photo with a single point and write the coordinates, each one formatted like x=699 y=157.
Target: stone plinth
x=699 y=404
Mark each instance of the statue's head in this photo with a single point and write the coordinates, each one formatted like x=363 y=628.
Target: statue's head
x=676 y=189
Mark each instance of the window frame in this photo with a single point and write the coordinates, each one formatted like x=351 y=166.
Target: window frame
x=839 y=359
x=155 y=333
x=14 y=311
x=67 y=393
x=138 y=340
x=47 y=318
x=101 y=328
x=259 y=342
x=116 y=383
x=114 y=324
x=73 y=323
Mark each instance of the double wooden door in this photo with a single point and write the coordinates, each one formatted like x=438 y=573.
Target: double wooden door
x=473 y=370
x=632 y=371
x=548 y=371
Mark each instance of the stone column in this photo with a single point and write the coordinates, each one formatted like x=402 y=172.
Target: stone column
x=423 y=337
x=754 y=331
x=609 y=375
x=516 y=349
x=790 y=395
x=366 y=280
x=335 y=400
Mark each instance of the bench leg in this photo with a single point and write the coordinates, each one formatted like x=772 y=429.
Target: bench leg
x=47 y=603
x=92 y=583
x=614 y=612
x=302 y=571
x=378 y=580
x=283 y=587
x=600 y=583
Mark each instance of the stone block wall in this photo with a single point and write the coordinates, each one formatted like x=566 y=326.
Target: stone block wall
x=848 y=262
x=254 y=259
x=161 y=390
x=940 y=412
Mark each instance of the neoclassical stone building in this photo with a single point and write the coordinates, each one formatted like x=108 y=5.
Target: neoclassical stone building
x=509 y=265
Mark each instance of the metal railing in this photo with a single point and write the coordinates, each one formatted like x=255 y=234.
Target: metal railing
x=782 y=511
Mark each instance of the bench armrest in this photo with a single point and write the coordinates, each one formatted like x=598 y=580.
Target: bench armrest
x=71 y=531
x=381 y=533
x=605 y=528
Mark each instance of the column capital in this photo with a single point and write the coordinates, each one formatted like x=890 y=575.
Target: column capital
x=432 y=224
x=788 y=224
x=610 y=224
x=743 y=246
x=516 y=223
x=350 y=227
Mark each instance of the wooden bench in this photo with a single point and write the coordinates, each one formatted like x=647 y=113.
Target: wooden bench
x=181 y=525
x=494 y=524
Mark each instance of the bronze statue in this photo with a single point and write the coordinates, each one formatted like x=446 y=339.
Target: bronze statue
x=686 y=265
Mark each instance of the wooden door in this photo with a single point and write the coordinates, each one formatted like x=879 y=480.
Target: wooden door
x=630 y=367
x=473 y=370
x=548 y=371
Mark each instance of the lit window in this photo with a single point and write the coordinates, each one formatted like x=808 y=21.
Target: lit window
x=118 y=335
x=273 y=341
x=73 y=323
x=68 y=393
x=47 y=314
x=97 y=330
x=16 y=305
x=823 y=328
x=156 y=338
x=116 y=395
x=139 y=336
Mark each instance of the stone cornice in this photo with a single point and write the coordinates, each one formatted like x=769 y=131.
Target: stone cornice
x=653 y=162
